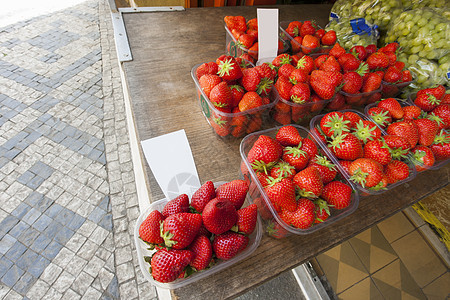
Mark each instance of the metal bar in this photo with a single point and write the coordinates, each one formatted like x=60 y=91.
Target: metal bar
x=309 y=282
x=151 y=9
x=120 y=37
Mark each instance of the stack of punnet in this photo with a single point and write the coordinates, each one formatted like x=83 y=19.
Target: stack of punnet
x=374 y=161
x=297 y=189
x=235 y=95
x=187 y=238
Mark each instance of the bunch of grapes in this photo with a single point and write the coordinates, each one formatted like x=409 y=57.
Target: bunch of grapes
x=347 y=36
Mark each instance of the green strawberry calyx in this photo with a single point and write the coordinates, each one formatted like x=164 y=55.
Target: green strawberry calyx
x=380 y=118
x=380 y=186
x=398 y=153
x=418 y=156
x=362 y=69
x=364 y=132
x=264 y=86
x=337 y=124
x=359 y=177
x=435 y=118
x=442 y=138
x=295 y=151
x=322 y=205
x=284 y=169
x=261 y=166
x=225 y=67
x=324 y=161
x=336 y=141
x=167 y=236
x=302 y=193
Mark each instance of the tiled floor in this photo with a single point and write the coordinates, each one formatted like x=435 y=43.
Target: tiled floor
x=391 y=260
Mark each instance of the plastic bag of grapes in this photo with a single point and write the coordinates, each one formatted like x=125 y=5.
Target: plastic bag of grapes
x=427 y=72
x=413 y=4
x=353 y=31
x=422 y=32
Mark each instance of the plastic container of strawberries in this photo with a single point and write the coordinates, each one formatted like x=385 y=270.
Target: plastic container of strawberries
x=255 y=119
x=361 y=99
x=287 y=112
x=322 y=49
x=363 y=191
x=142 y=249
x=438 y=164
x=265 y=208
x=234 y=49
x=392 y=90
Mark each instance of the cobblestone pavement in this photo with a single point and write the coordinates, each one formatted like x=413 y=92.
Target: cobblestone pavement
x=67 y=191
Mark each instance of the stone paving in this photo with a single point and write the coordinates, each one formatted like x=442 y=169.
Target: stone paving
x=67 y=190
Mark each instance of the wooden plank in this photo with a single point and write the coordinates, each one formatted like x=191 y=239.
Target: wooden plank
x=165 y=46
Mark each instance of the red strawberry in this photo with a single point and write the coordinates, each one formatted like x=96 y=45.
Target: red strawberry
x=284 y=86
x=352 y=83
x=407 y=130
x=246 y=40
x=441 y=146
x=428 y=129
x=177 y=205
x=281 y=59
x=322 y=210
x=306 y=63
x=229 y=69
x=250 y=100
x=149 y=230
x=372 y=48
x=221 y=95
x=207 y=68
x=329 y=39
x=300 y=93
x=334 y=123
x=349 y=62
x=423 y=157
x=179 y=230
x=411 y=112
x=265 y=152
x=203 y=251
x=327 y=170
x=293 y=28
x=438 y=91
x=337 y=102
x=378 y=151
x=295 y=157
x=308 y=28
x=208 y=82
x=247 y=218
x=346 y=146
x=266 y=71
x=309 y=147
x=392 y=75
x=288 y=136
x=229 y=244
x=219 y=215
x=283 y=170
x=308 y=183
x=320 y=33
x=310 y=44
x=371 y=83
x=337 y=194
x=380 y=116
x=330 y=64
x=337 y=50
x=426 y=101
x=298 y=76
x=167 y=265
x=406 y=76
x=303 y=217
x=366 y=172
x=250 y=79
x=285 y=70
x=325 y=83
x=345 y=164
x=203 y=195
x=366 y=130
x=353 y=117
x=441 y=114
x=396 y=170
x=359 y=51
x=398 y=145
x=393 y=106
x=377 y=60
x=281 y=192
x=234 y=191
x=220 y=126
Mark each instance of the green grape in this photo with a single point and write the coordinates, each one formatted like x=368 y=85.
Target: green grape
x=413 y=58
x=421 y=79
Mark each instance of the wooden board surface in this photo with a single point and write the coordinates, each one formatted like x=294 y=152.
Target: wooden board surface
x=165 y=47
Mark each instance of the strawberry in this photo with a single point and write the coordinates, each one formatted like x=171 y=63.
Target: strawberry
x=293 y=28
x=428 y=129
x=353 y=117
x=208 y=82
x=167 y=265
x=282 y=169
x=426 y=101
x=177 y=205
x=234 y=191
x=320 y=33
x=319 y=60
x=246 y=40
x=442 y=114
x=252 y=24
x=281 y=192
x=366 y=172
x=345 y=164
x=179 y=230
x=295 y=157
x=263 y=210
x=378 y=151
x=337 y=194
x=203 y=195
x=308 y=183
x=330 y=64
x=346 y=146
x=423 y=157
x=337 y=50
x=393 y=106
x=337 y=102
x=303 y=217
x=250 y=79
x=411 y=112
x=207 y=68
x=203 y=251
x=284 y=86
x=438 y=91
x=377 y=60
x=327 y=170
x=371 y=83
x=308 y=28
x=281 y=59
x=229 y=69
x=372 y=48
x=310 y=44
x=392 y=75
x=149 y=230
x=288 y=136
x=398 y=145
x=309 y=147
x=396 y=171
x=321 y=210
x=221 y=96
x=300 y=93
x=285 y=70
x=366 y=130
x=247 y=218
x=297 y=76
x=408 y=130
x=399 y=65
x=219 y=215
x=266 y=71
x=227 y=245
x=237 y=92
x=329 y=38
x=441 y=146
x=320 y=83
x=334 y=123
x=380 y=116
x=250 y=100
x=406 y=76
x=306 y=63
x=265 y=153
x=391 y=47
x=220 y=126
x=352 y=83
x=349 y=62
x=359 y=51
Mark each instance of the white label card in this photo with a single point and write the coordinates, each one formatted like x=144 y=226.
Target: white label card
x=170 y=158
x=268 y=27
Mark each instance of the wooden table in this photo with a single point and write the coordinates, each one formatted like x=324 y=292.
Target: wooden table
x=165 y=46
